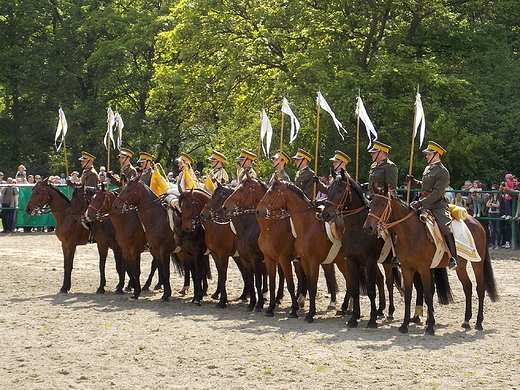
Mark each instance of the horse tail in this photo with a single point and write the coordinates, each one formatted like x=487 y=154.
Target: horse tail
x=442 y=284
x=363 y=281
x=489 y=278
x=177 y=263
x=207 y=267
x=398 y=279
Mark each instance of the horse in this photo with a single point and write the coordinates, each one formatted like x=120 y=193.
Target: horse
x=311 y=242
x=104 y=234
x=129 y=234
x=415 y=251
x=347 y=206
x=190 y=236
x=220 y=240
x=70 y=235
x=136 y=195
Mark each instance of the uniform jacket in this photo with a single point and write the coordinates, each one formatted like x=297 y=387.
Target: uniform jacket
x=146 y=177
x=242 y=173
x=384 y=171
x=129 y=171
x=89 y=177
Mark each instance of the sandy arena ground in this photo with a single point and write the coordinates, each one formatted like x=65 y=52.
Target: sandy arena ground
x=84 y=340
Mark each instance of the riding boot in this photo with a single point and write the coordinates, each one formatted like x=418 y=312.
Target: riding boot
x=450 y=241
x=395 y=261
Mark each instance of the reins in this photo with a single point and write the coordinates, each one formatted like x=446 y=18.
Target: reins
x=382 y=221
x=341 y=208
x=281 y=212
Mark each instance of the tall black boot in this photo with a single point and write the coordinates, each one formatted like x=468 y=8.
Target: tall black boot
x=450 y=241
x=395 y=261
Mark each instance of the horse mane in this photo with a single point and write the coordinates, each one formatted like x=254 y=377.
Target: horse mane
x=396 y=196
x=59 y=192
x=294 y=188
x=90 y=191
x=356 y=188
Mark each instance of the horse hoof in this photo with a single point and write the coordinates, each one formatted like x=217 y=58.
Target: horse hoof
x=144 y=288
x=128 y=289
x=466 y=325
x=100 y=290
x=340 y=313
x=164 y=299
x=372 y=325
x=221 y=305
x=309 y=320
x=249 y=308
x=479 y=327
x=415 y=320
x=214 y=296
x=269 y=314
x=119 y=292
x=292 y=315
x=134 y=297
x=389 y=318
x=258 y=309
x=64 y=291
x=352 y=324
x=403 y=329
x=429 y=331
x=348 y=312
x=196 y=303
x=157 y=287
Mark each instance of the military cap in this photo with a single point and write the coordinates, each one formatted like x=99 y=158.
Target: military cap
x=303 y=154
x=143 y=156
x=434 y=147
x=124 y=152
x=282 y=156
x=217 y=156
x=86 y=156
x=185 y=158
x=379 y=146
x=340 y=156
x=246 y=154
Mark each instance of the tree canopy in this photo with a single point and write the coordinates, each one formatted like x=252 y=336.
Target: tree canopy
x=192 y=76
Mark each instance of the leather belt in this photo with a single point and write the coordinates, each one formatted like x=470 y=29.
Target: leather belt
x=426 y=193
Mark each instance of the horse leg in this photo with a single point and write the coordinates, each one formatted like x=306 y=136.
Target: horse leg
x=118 y=258
x=311 y=272
x=260 y=280
x=351 y=272
x=389 y=277
x=426 y=277
x=332 y=285
x=407 y=281
x=153 y=267
x=136 y=273
x=374 y=278
x=281 y=285
x=165 y=271
x=419 y=299
x=301 y=290
x=245 y=290
x=381 y=289
x=102 y=252
x=197 y=276
x=286 y=266
x=271 y=266
x=68 y=261
x=462 y=274
x=221 y=263
x=250 y=275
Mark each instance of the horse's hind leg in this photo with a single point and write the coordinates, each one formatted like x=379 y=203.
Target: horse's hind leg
x=332 y=286
x=281 y=285
x=381 y=289
x=153 y=267
x=467 y=286
x=68 y=261
x=103 y=252
x=419 y=299
x=389 y=277
x=271 y=266
x=118 y=257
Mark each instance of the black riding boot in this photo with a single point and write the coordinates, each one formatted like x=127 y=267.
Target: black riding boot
x=450 y=241
x=395 y=261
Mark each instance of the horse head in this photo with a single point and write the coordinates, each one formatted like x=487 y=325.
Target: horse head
x=273 y=202
x=245 y=197
x=43 y=194
x=100 y=205
x=79 y=203
x=131 y=194
x=190 y=206
x=344 y=198
x=213 y=208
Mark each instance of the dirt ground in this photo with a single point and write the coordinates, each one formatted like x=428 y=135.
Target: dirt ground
x=84 y=340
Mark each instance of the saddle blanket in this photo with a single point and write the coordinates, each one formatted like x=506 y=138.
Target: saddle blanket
x=334 y=249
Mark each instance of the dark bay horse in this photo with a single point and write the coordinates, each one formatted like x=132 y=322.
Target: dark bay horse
x=69 y=234
x=221 y=241
x=415 y=251
x=129 y=234
x=154 y=218
x=190 y=236
x=311 y=242
x=346 y=205
x=103 y=232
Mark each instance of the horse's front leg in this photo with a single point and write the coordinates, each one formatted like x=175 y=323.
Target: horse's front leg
x=260 y=280
x=119 y=260
x=68 y=260
x=102 y=252
x=467 y=286
x=407 y=280
x=353 y=290
x=164 y=270
x=374 y=277
x=270 y=265
x=426 y=277
x=311 y=273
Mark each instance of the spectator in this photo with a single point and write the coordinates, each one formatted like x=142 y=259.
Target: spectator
x=170 y=177
x=102 y=172
x=508 y=199
x=21 y=174
x=494 y=205
x=37 y=178
x=2 y=181
x=465 y=188
x=458 y=201
x=74 y=177
x=234 y=180
x=450 y=195
x=9 y=196
x=63 y=178
x=475 y=193
x=30 y=179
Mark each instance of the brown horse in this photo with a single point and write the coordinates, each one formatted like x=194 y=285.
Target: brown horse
x=415 y=251
x=190 y=236
x=154 y=218
x=346 y=205
x=311 y=242
x=220 y=240
x=129 y=234
x=103 y=232
x=69 y=234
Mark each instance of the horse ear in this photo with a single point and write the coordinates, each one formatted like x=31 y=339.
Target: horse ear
x=277 y=179
x=386 y=188
x=191 y=191
x=180 y=190
x=343 y=174
x=220 y=183
x=45 y=181
x=375 y=190
x=248 y=176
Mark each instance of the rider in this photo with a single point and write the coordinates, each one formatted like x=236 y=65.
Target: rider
x=127 y=170
x=339 y=161
x=305 y=177
x=434 y=182
x=89 y=177
x=382 y=171
x=186 y=180
x=145 y=165
x=217 y=173
x=245 y=164
x=279 y=161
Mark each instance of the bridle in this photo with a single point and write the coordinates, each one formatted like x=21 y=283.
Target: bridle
x=85 y=202
x=280 y=212
x=240 y=209
x=196 y=220
x=133 y=187
x=383 y=224
x=217 y=215
x=44 y=199
x=342 y=205
x=105 y=205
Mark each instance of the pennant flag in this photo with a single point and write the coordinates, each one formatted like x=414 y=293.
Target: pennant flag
x=266 y=132
x=363 y=115
x=295 y=124
x=61 y=130
x=325 y=106
x=110 y=128
x=119 y=125
x=188 y=180
x=209 y=185
x=419 y=119
x=158 y=183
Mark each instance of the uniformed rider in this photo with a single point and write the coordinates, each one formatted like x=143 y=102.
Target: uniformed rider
x=145 y=166
x=186 y=180
x=217 y=173
x=339 y=161
x=305 y=177
x=245 y=164
x=89 y=176
x=433 y=185
x=279 y=161
x=127 y=170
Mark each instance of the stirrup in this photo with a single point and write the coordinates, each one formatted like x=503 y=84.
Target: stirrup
x=452 y=263
x=395 y=262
